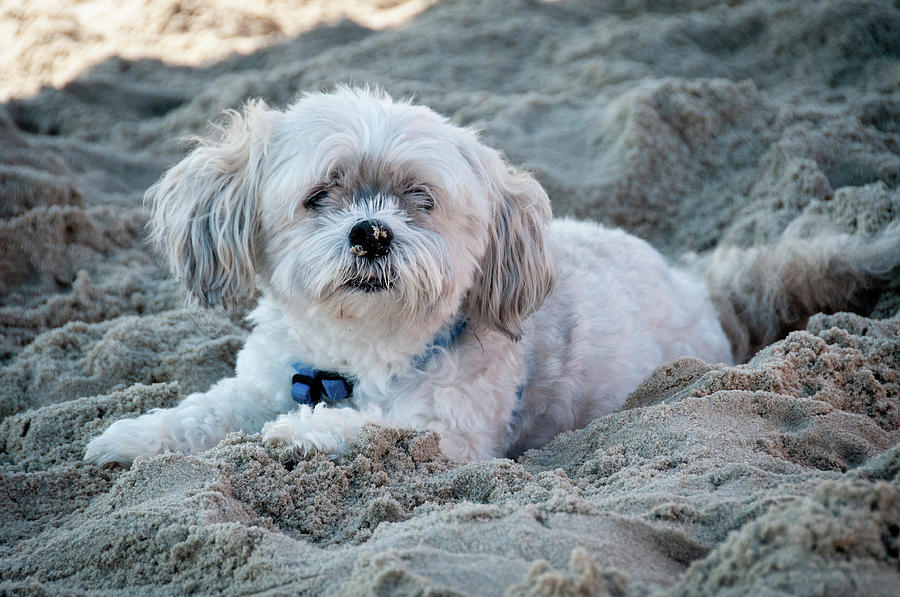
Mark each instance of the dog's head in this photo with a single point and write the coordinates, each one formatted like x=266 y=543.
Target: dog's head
x=360 y=205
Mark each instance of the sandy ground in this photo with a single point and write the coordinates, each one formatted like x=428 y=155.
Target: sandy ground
x=692 y=127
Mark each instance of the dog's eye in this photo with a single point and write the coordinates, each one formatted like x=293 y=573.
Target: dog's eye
x=421 y=197
x=315 y=199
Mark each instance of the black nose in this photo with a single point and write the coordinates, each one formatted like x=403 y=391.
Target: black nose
x=370 y=239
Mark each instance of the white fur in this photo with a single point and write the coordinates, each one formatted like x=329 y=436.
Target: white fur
x=574 y=313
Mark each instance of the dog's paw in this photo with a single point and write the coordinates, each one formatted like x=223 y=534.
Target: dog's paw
x=122 y=442
x=302 y=433
x=279 y=432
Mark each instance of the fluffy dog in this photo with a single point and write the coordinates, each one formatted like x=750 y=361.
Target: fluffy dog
x=409 y=277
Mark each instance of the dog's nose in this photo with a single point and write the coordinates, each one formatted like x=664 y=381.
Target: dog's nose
x=370 y=239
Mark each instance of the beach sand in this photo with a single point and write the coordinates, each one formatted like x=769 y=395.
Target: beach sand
x=713 y=123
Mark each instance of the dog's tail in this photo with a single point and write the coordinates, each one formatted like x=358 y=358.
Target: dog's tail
x=764 y=292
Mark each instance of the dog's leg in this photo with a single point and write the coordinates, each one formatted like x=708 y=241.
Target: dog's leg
x=199 y=422
x=471 y=426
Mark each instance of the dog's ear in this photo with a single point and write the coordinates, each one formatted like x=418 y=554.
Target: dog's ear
x=204 y=210
x=516 y=273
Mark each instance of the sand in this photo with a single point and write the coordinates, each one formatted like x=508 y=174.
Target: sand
x=708 y=124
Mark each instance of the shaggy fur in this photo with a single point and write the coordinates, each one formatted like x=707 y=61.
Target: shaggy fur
x=563 y=319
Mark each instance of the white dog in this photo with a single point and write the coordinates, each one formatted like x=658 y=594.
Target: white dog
x=410 y=277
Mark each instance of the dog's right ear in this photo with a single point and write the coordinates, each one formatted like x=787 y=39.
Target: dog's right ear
x=204 y=209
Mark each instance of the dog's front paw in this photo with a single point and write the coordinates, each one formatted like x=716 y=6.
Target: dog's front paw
x=304 y=433
x=122 y=442
x=279 y=432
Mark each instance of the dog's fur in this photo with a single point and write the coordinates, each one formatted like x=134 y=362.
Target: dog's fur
x=563 y=318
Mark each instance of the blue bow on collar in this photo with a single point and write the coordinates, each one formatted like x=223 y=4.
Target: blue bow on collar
x=310 y=387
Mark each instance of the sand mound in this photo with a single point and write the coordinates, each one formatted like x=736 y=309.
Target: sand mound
x=692 y=127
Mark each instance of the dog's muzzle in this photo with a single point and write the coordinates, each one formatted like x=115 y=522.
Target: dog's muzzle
x=370 y=239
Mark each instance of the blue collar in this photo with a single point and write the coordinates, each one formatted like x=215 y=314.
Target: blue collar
x=311 y=386
x=444 y=340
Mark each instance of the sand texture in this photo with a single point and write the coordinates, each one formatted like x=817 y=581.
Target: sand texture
x=694 y=126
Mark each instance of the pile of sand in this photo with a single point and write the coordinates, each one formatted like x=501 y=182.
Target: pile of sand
x=714 y=123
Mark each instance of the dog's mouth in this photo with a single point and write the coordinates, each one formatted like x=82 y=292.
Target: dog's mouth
x=368 y=284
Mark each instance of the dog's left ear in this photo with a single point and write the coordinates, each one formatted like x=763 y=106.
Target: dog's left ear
x=517 y=272
x=204 y=210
